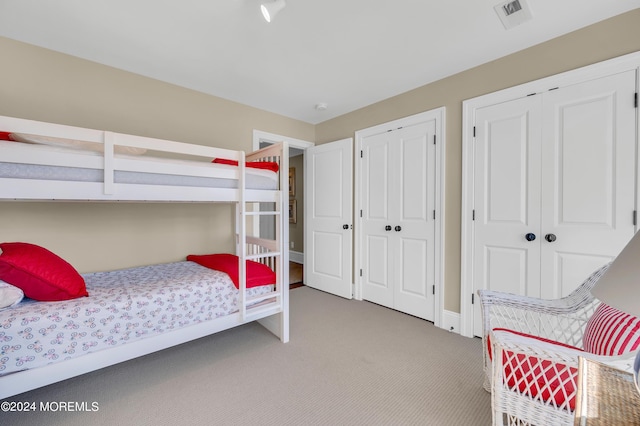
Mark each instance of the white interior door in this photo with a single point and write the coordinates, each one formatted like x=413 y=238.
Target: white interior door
x=328 y=214
x=588 y=179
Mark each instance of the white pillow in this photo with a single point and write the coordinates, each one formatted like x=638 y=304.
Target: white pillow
x=9 y=295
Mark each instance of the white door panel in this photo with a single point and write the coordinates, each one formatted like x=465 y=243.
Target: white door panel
x=416 y=174
x=415 y=275
x=379 y=197
x=571 y=268
x=412 y=291
x=328 y=217
x=377 y=179
x=506 y=269
x=329 y=265
x=328 y=177
x=588 y=179
x=379 y=270
x=507 y=193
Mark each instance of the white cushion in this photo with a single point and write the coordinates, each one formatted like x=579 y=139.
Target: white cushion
x=9 y=295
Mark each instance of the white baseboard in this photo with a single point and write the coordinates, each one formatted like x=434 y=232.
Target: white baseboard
x=296 y=256
x=451 y=321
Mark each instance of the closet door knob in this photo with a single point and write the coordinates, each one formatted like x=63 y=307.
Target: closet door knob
x=398 y=228
x=550 y=237
x=345 y=226
x=387 y=228
x=530 y=236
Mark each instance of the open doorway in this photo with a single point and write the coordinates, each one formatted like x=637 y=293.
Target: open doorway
x=266 y=224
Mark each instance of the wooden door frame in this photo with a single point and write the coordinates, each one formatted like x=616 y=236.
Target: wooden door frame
x=469 y=107
x=438 y=114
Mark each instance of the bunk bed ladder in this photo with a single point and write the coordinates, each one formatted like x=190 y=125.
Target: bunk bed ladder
x=271 y=252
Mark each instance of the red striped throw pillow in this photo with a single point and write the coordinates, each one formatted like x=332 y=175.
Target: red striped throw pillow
x=611 y=332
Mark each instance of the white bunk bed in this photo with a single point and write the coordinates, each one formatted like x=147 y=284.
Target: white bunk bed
x=104 y=174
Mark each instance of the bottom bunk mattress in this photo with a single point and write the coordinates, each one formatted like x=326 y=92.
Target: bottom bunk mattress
x=122 y=306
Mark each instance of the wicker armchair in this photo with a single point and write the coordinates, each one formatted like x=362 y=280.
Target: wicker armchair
x=535 y=345
x=561 y=320
x=536 y=382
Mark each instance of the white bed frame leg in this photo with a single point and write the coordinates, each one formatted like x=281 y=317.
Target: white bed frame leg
x=277 y=324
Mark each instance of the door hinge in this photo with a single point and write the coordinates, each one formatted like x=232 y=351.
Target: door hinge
x=635 y=217
x=473 y=215
x=635 y=99
x=473 y=300
x=360 y=272
x=361 y=154
x=360 y=213
x=474 y=131
x=434 y=139
x=434 y=215
x=433 y=291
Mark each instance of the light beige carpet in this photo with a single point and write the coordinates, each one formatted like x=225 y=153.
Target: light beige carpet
x=348 y=363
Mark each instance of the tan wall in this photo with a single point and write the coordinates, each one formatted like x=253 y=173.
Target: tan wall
x=296 y=230
x=43 y=85
x=607 y=39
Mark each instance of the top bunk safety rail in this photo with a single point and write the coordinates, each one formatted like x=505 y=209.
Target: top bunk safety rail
x=113 y=153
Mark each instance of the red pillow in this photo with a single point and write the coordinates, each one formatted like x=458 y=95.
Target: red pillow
x=5 y=136
x=265 y=165
x=257 y=273
x=41 y=274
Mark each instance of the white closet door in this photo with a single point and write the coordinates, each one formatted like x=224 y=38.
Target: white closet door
x=559 y=165
x=328 y=209
x=398 y=199
x=588 y=174
x=378 y=160
x=507 y=199
x=414 y=205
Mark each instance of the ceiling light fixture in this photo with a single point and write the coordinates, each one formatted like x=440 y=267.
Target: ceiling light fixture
x=270 y=10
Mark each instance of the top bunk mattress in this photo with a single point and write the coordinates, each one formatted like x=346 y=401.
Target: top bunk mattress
x=260 y=179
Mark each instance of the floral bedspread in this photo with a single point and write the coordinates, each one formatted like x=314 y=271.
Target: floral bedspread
x=123 y=306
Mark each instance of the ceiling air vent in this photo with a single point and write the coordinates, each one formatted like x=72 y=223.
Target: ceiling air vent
x=513 y=13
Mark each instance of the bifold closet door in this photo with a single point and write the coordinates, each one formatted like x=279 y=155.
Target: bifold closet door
x=588 y=179
x=507 y=197
x=398 y=196
x=554 y=187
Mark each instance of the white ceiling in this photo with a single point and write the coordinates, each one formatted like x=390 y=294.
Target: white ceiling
x=345 y=53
